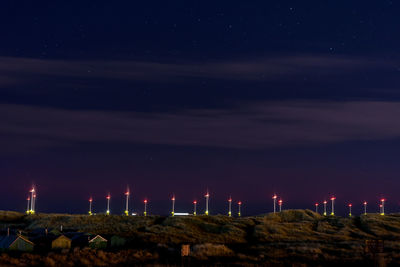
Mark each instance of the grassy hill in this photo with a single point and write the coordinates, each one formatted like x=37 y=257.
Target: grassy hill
x=290 y=236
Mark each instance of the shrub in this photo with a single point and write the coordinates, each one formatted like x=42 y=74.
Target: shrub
x=204 y=251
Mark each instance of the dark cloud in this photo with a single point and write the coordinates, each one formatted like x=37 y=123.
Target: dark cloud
x=255 y=126
x=31 y=70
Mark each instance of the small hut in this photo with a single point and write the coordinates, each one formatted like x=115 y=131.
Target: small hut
x=185 y=250
x=117 y=241
x=15 y=242
x=79 y=239
x=98 y=242
x=61 y=242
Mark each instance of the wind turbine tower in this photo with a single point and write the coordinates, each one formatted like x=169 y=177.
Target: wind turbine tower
x=145 y=207
x=274 y=198
x=173 y=205
x=34 y=202
x=382 y=206
x=27 y=206
x=333 y=206
x=239 y=208
x=32 y=210
x=230 y=206
x=195 y=207
x=90 y=206
x=108 y=204
x=207 y=196
x=127 y=194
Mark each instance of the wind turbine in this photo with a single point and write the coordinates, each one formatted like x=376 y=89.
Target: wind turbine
x=350 y=205
x=280 y=205
x=34 y=202
x=316 y=207
x=207 y=196
x=127 y=194
x=145 y=207
x=365 y=207
x=325 y=202
x=173 y=205
x=274 y=198
x=90 y=205
x=33 y=194
x=194 y=207
x=239 y=208
x=382 y=206
x=230 y=206
x=108 y=204
x=27 y=206
x=333 y=205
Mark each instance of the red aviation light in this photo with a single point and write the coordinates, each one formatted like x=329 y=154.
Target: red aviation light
x=350 y=205
x=145 y=201
x=90 y=199
x=316 y=204
x=195 y=202
x=333 y=198
x=108 y=197
x=275 y=197
x=240 y=203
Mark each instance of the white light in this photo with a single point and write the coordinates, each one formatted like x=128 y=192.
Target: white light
x=182 y=214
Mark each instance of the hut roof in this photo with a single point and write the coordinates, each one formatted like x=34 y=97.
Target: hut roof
x=98 y=238
x=8 y=240
x=62 y=237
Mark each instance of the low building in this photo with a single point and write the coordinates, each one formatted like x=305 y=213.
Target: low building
x=185 y=250
x=61 y=242
x=98 y=242
x=15 y=242
x=79 y=239
x=117 y=241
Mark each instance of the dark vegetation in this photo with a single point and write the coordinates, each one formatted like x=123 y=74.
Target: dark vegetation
x=286 y=238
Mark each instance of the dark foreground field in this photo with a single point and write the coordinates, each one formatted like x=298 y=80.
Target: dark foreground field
x=290 y=238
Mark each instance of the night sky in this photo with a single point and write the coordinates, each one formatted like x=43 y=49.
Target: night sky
x=245 y=98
